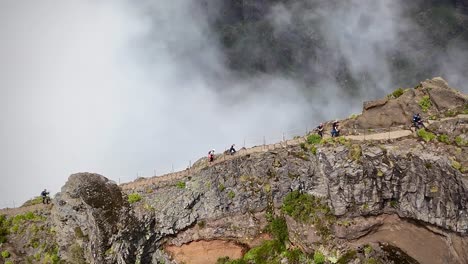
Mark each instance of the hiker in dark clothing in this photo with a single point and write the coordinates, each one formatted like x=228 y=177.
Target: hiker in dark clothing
x=45 y=196
x=319 y=130
x=417 y=121
x=335 y=130
x=232 y=150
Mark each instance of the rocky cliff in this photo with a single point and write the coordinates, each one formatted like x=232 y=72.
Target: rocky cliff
x=352 y=199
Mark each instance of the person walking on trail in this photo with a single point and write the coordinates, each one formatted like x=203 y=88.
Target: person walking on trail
x=45 y=196
x=417 y=121
x=232 y=150
x=319 y=130
x=335 y=130
x=211 y=155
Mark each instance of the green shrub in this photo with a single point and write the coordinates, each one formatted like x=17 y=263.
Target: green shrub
x=134 y=197
x=397 y=93
x=342 y=140
x=231 y=194
x=460 y=142
x=355 y=152
x=313 y=149
x=443 y=138
x=368 y=249
x=309 y=209
x=4 y=227
x=425 y=103
x=294 y=256
x=425 y=135
x=9 y=262
x=5 y=254
x=456 y=165
x=278 y=229
x=314 y=139
x=450 y=113
x=181 y=185
x=319 y=258
x=265 y=253
x=221 y=187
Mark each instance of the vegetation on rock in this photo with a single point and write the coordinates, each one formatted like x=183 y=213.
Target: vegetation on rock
x=134 y=197
x=309 y=209
x=425 y=135
x=425 y=103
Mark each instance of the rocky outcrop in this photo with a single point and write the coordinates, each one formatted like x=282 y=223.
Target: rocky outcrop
x=87 y=212
x=385 y=113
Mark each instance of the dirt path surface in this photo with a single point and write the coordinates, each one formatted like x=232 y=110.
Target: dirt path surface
x=205 y=252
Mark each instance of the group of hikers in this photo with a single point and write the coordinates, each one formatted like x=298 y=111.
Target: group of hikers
x=211 y=153
x=335 y=132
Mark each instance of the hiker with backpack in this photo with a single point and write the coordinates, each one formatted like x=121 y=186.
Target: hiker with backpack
x=211 y=154
x=45 y=196
x=417 y=121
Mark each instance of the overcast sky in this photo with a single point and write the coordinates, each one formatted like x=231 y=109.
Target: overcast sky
x=121 y=89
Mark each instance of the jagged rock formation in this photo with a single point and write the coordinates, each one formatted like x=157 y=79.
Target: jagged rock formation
x=387 y=113
x=87 y=212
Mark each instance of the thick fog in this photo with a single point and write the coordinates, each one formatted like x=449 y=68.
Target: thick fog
x=133 y=88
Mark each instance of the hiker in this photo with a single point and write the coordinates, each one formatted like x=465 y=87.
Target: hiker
x=211 y=155
x=232 y=150
x=45 y=196
x=319 y=130
x=335 y=130
x=417 y=121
